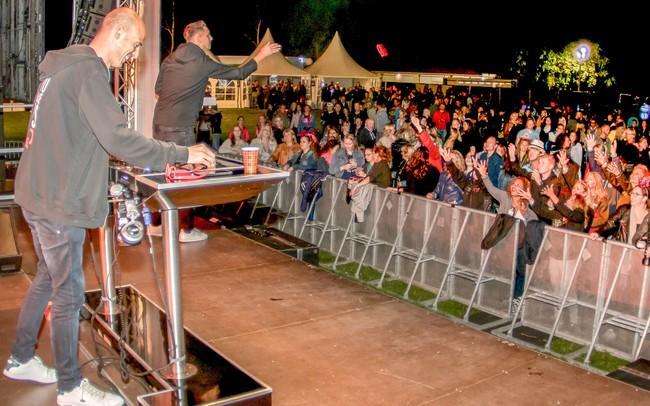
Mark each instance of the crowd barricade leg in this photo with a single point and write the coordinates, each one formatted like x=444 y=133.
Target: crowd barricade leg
x=603 y=315
x=370 y=240
x=398 y=236
x=450 y=266
x=565 y=296
x=478 y=281
x=421 y=258
x=529 y=278
x=622 y=310
x=273 y=202
x=293 y=210
x=339 y=187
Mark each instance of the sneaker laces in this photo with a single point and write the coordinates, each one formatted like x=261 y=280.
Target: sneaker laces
x=87 y=387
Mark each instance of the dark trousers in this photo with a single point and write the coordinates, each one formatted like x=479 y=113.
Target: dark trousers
x=180 y=136
x=59 y=278
x=520 y=272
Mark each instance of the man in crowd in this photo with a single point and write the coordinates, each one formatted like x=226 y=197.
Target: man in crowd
x=180 y=88
x=368 y=134
x=441 y=119
x=61 y=186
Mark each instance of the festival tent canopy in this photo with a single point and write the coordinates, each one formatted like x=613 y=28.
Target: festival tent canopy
x=337 y=63
x=275 y=64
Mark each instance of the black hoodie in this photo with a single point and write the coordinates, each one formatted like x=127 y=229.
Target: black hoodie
x=74 y=125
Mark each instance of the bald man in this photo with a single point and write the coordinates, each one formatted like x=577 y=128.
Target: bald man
x=61 y=186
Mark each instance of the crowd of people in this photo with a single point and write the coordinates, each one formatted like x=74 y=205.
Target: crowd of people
x=572 y=169
x=554 y=165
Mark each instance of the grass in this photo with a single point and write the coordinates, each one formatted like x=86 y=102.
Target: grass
x=367 y=273
x=563 y=347
x=604 y=361
x=455 y=309
x=325 y=257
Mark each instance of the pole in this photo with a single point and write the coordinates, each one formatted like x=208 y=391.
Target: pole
x=109 y=297
x=179 y=370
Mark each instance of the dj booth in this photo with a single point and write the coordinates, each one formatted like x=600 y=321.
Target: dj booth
x=178 y=367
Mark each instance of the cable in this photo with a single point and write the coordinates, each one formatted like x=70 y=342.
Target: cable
x=126 y=371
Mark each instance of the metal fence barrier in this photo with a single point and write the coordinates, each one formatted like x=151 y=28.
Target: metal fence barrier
x=590 y=292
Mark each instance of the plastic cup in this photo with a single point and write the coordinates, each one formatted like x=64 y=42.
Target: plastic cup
x=250 y=155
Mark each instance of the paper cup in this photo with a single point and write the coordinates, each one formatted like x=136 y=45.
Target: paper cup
x=250 y=155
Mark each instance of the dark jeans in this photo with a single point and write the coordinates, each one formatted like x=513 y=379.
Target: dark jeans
x=59 y=278
x=180 y=136
x=520 y=273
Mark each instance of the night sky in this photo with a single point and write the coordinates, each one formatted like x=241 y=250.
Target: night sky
x=429 y=36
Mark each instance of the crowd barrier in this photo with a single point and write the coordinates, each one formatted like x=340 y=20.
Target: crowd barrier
x=587 y=291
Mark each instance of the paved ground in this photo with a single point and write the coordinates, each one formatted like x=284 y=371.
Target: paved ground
x=317 y=339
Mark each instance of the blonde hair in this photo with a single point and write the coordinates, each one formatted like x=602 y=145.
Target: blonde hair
x=597 y=195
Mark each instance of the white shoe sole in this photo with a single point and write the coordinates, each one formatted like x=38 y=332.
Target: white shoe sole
x=9 y=375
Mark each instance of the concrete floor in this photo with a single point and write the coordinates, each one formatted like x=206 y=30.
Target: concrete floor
x=318 y=339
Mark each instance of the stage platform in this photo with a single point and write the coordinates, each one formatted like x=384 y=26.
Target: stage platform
x=318 y=339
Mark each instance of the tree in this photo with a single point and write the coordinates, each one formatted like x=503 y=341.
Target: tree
x=169 y=26
x=580 y=64
x=312 y=24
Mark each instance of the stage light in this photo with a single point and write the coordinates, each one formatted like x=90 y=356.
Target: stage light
x=382 y=50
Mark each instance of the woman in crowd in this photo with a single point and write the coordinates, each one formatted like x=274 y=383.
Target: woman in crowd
x=265 y=142
x=379 y=172
x=475 y=195
x=278 y=127
x=245 y=135
x=546 y=129
x=379 y=175
x=597 y=201
x=287 y=149
x=421 y=176
x=447 y=190
x=630 y=222
x=573 y=209
x=261 y=122
x=327 y=154
x=346 y=160
x=234 y=144
x=296 y=112
x=306 y=158
x=345 y=128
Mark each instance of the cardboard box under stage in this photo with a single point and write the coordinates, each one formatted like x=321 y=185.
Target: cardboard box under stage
x=218 y=380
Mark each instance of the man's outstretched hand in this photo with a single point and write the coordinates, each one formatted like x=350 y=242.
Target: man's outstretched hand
x=201 y=154
x=268 y=49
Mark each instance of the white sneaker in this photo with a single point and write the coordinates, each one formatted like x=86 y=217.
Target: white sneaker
x=32 y=370
x=193 y=236
x=155 y=231
x=86 y=395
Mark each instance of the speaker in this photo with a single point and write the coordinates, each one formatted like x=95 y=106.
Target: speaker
x=93 y=23
x=101 y=7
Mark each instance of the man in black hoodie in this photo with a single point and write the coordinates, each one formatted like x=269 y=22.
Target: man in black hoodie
x=180 y=88
x=61 y=186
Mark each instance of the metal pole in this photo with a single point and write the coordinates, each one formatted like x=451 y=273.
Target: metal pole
x=109 y=297
x=179 y=370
